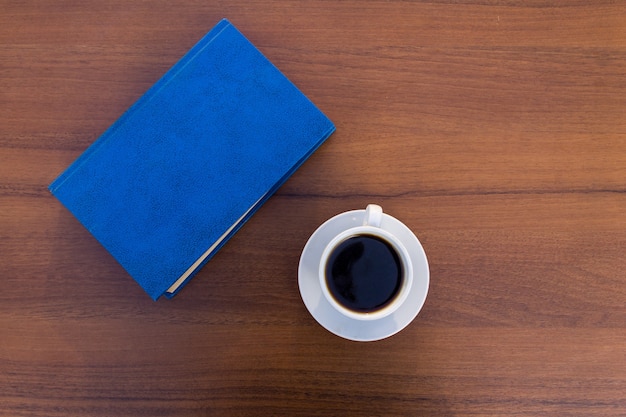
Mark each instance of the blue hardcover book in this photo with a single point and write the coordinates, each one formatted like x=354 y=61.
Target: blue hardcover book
x=188 y=164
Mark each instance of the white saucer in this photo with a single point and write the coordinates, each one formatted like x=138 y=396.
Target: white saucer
x=331 y=319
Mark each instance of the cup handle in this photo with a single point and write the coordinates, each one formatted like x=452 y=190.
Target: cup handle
x=373 y=215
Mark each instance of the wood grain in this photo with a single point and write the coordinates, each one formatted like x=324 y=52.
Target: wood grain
x=495 y=130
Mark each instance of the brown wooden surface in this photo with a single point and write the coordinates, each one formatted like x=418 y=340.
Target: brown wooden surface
x=495 y=130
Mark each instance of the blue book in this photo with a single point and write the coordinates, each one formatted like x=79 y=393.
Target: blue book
x=191 y=161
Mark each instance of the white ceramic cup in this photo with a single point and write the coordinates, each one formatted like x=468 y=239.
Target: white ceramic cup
x=371 y=226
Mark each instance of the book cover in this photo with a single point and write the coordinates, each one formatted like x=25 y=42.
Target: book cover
x=187 y=165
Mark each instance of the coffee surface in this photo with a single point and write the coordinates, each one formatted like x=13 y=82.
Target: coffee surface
x=364 y=273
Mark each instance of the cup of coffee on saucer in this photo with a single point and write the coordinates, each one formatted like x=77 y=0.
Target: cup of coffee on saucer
x=363 y=275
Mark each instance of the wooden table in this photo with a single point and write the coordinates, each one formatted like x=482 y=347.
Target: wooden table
x=495 y=130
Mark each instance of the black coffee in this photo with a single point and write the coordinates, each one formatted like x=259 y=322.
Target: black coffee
x=364 y=273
